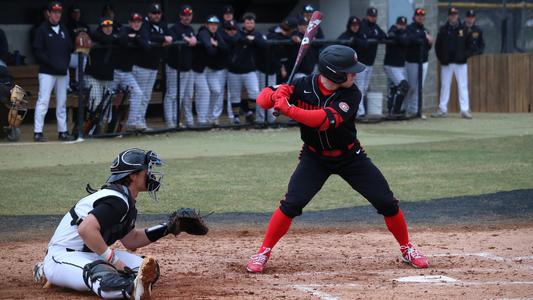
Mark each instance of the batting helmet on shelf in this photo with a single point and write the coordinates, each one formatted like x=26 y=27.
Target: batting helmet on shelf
x=335 y=61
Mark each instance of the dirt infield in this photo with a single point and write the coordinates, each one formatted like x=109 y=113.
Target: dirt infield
x=480 y=247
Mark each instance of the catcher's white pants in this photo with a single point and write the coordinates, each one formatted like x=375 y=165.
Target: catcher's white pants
x=145 y=79
x=461 y=75
x=395 y=74
x=48 y=82
x=65 y=269
x=259 y=112
x=411 y=100
x=362 y=80
x=126 y=79
x=201 y=99
x=171 y=95
x=216 y=79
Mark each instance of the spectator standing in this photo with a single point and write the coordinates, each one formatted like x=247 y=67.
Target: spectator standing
x=475 y=45
x=310 y=59
x=52 y=47
x=180 y=59
x=451 y=50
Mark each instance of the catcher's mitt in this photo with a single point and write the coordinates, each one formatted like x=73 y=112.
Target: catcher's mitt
x=187 y=220
x=83 y=42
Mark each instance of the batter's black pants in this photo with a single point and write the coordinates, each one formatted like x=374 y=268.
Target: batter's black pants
x=353 y=166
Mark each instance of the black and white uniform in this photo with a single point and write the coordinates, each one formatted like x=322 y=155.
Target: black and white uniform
x=52 y=47
x=242 y=67
x=145 y=69
x=451 y=49
x=101 y=66
x=417 y=36
x=179 y=59
x=132 y=48
x=67 y=254
x=367 y=56
x=216 y=74
x=394 y=62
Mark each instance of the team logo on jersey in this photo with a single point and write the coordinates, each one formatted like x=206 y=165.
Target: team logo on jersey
x=344 y=106
x=475 y=35
x=461 y=32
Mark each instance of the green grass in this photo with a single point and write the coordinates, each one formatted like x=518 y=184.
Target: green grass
x=248 y=171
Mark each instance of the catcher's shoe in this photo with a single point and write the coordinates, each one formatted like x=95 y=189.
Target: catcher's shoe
x=413 y=257
x=38 y=273
x=258 y=261
x=147 y=275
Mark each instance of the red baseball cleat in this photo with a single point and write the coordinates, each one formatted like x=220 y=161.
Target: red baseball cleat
x=413 y=257
x=258 y=262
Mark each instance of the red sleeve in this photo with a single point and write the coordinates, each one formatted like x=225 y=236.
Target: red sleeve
x=265 y=98
x=317 y=118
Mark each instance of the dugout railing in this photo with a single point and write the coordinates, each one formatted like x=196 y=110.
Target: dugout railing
x=81 y=113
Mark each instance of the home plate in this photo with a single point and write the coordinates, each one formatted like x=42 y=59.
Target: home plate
x=426 y=279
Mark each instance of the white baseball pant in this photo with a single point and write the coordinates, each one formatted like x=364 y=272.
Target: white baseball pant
x=411 y=100
x=461 y=75
x=126 y=79
x=259 y=112
x=362 y=80
x=201 y=99
x=395 y=74
x=145 y=79
x=216 y=80
x=237 y=81
x=60 y=85
x=186 y=92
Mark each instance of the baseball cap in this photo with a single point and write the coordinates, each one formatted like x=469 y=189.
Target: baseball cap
x=354 y=20
x=420 y=12
x=470 y=13
x=229 y=25
x=136 y=17
x=248 y=16
x=228 y=9
x=186 y=10
x=372 y=12
x=105 y=22
x=308 y=8
x=401 y=20
x=155 y=8
x=452 y=10
x=289 y=23
x=302 y=21
x=55 y=6
x=213 y=19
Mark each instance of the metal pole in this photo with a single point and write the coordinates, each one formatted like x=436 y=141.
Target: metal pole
x=79 y=121
x=178 y=90
x=420 y=77
x=268 y=60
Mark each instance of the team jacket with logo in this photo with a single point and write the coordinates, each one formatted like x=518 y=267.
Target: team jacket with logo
x=417 y=36
x=156 y=35
x=132 y=48
x=474 y=40
x=395 y=53
x=450 y=46
x=52 y=49
x=344 y=102
x=367 y=55
x=113 y=208
x=180 y=58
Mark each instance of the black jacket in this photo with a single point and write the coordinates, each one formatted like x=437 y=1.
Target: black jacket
x=52 y=49
x=372 y=31
x=417 y=36
x=3 y=46
x=359 y=42
x=395 y=53
x=131 y=48
x=450 y=46
x=307 y=66
x=280 y=53
x=207 y=55
x=180 y=58
x=242 y=51
x=76 y=27
x=475 y=45
x=156 y=35
x=101 y=62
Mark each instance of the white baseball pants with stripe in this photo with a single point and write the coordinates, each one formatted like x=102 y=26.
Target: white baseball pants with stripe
x=171 y=100
x=461 y=75
x=46 y=84
x=145 y=79
x=98 y=88
x=411 y=100
x=259 y=112
x=237 y=81
x=362 y=80
x=65 y=269
x=216 y=79
x=201 y=99
x=126 y=79
x=395 y=74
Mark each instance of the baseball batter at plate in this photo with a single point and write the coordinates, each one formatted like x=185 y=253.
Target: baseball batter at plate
x=79 y=255
x=325 y=105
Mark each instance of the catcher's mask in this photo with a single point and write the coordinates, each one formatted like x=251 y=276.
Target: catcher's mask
x=135 y=160
x=19 y=106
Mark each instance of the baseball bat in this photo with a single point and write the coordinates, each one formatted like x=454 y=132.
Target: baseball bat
x=310 y=32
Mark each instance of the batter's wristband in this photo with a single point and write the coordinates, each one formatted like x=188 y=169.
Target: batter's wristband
x=109 y=256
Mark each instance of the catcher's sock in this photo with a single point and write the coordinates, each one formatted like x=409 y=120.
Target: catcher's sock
x=277 y=227
x=397 y=226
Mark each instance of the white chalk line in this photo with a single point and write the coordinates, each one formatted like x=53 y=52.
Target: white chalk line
x=313 y=289
x=40 y=143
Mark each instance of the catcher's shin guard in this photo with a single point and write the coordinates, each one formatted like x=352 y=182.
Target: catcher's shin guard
x=390 y=97
x=103 y=278
x=399 y=96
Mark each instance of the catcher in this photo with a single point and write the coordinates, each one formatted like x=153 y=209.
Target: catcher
x=13 y=107
x=79 y=255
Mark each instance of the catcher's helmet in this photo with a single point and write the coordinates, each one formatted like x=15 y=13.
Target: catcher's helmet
x=135 y=160
x=335 y=61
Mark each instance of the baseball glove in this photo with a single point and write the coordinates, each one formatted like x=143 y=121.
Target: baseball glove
x=83 y=42
x=186 y=220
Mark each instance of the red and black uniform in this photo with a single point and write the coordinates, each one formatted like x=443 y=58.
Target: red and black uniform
x=331 y=146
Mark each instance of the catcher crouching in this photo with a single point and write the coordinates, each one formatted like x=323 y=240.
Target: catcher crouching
x=79 y=255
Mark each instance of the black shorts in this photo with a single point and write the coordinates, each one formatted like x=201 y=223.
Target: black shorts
x=353 y=166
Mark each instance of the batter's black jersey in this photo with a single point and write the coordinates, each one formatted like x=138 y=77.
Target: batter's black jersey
x=345 y=101
x=395 y=52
